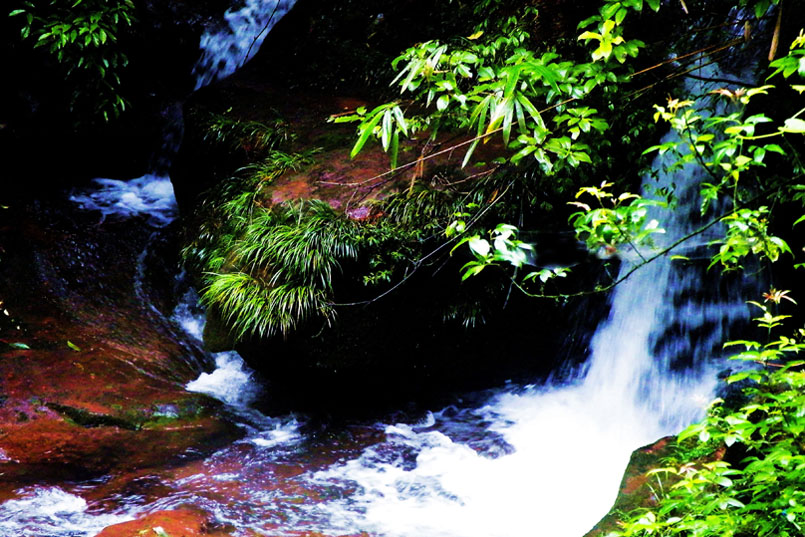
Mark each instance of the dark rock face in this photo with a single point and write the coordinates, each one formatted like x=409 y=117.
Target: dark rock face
x=162 y=47
x=92 y=374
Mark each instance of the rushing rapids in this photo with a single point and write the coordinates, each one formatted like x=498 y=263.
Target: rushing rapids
x=535 y=459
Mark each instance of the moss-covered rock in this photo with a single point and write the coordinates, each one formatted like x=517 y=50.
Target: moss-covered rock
x=637 y=488
x=92 y=375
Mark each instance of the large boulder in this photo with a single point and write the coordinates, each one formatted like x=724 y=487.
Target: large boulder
x=92 y=373
x=431 y=334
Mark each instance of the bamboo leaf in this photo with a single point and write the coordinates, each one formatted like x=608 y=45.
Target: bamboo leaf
x=395 y=148
x=512 y=77
x=366 y=130
x=385 y=130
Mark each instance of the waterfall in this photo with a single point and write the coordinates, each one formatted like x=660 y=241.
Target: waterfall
x=526 y=460
x=227 y=48
x=651 y=371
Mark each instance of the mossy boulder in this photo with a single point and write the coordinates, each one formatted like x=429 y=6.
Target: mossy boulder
x=92 y=374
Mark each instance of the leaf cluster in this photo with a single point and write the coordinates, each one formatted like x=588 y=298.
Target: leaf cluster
x=265 y=270
x=279 y=268
x=492 y=83
x=734 y=147
x=83 y=36
x=760 y=490
x=253 y=137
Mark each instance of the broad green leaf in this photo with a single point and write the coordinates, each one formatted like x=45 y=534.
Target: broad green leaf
x=794 y=125
x=479 y=246
x=530 y=108
x=481 y=109
x=366 y=130
x=442 y=102
x=512 y=77
x=400 y=118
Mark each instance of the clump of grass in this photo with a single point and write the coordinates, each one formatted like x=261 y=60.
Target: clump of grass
x=267 y=270
x=279 y=272
x=251 y=136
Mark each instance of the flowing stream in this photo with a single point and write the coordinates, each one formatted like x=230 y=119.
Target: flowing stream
x=542 y=460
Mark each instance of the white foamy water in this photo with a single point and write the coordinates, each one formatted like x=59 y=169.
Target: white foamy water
x=52 y=512
x=231 y=380
x=557 y=480
x=228 y=47
x=150 y=196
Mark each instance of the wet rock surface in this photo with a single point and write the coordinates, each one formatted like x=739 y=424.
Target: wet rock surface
x=183 y=522
x=636 y=489
x=92 y=373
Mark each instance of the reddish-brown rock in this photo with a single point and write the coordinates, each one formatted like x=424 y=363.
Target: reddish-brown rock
x=92 y=375
x=635 y=489
x=184 y=522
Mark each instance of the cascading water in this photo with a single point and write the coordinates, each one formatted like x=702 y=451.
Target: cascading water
x=226 y=49
x=51 y=512
x=231 y=381
x=648 y=376
x=535 y=460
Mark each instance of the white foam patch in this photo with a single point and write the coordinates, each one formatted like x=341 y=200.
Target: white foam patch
x=567 y=452
x=230 y=381
x=52 y=512
x=150 y=195
x=280 y=434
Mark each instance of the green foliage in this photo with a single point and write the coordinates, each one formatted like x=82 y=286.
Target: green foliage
x=82 y=36
x=735 y=147
x=250 y=136
x=490 y=83
x=266 y=270
x=793 y=62
x=616 y=220
x=763 y=492
x=504 y=248
x=277 y=270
